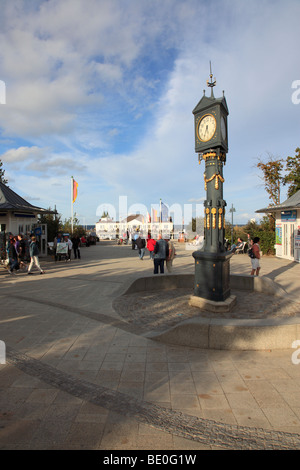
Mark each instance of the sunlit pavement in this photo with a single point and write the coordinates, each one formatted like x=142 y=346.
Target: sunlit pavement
x=77 y=376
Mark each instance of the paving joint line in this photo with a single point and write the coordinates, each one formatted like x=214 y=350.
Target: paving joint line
x=207 y=432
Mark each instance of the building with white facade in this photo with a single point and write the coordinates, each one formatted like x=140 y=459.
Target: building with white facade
x=287 y=241
x=109 y=229
x=19 y=216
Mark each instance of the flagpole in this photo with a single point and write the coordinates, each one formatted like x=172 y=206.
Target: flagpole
x=160 y=215
x=72 y=195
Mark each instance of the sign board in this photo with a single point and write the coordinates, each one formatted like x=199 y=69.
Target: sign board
x=38 y=231
x=288 y=216
x=278 y=235
x=297 y=242
x=62 y=249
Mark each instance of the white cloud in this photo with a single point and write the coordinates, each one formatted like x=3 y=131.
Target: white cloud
x=106 y=89
x=23 y=153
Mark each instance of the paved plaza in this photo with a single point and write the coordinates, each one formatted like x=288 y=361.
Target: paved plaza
x=82 y=373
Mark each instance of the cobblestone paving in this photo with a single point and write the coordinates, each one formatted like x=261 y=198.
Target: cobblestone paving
x=138 y=313
x=207 y=432
x=165 y=309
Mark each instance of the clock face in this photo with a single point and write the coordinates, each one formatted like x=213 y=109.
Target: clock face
x=223 y=128
x=207 y=127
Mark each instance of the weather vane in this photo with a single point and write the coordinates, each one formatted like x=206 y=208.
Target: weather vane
x=211 y=83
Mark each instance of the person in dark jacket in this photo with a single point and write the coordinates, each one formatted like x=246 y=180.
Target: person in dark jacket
x=12 y=255
x=34 y=256
x=141 y=244
x=161 y=253
x=76 y=246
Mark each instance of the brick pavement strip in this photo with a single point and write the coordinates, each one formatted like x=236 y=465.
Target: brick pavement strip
x=211 y=433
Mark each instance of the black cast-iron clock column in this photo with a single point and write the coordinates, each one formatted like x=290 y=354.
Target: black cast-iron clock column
x=211 y=143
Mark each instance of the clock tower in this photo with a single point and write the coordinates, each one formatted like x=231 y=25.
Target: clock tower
x=211 y=123
x=212 y=261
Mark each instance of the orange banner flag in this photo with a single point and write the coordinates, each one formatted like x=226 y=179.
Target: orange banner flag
x=75 y=186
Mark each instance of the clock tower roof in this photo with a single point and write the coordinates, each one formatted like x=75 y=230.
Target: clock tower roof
x=208 y=102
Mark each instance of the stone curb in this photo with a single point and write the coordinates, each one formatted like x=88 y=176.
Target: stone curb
x=224 y=334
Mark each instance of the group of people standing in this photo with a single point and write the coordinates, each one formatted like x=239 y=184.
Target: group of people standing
x=20 y=250
x=23 y=252
x=73 y=243
x=161 y=251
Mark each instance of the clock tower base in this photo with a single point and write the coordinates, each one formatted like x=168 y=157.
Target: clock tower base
x=211 y=306
x=212 y=278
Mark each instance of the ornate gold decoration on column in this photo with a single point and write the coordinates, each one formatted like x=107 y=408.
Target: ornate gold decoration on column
x=218 y=178
x=214 y=211
x=220 y=218
x=207 y=218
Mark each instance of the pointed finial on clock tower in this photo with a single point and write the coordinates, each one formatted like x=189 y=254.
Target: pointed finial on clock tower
x=211 y=83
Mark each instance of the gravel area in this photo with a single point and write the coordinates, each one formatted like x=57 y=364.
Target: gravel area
x=164 y=309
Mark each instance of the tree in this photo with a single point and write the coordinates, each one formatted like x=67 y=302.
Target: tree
x=292 y=178
x=265 y=231
x=53 y=222
x=66 y=227
x=2 y=179
x=272 y=177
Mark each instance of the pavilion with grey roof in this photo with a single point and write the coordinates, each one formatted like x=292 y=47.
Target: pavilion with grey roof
x=287 y=242
x=17 y=215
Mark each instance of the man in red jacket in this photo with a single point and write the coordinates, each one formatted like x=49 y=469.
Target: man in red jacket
x=150 y=246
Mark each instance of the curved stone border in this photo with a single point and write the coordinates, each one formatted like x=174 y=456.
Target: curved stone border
x=173 y=281
x=235 y=334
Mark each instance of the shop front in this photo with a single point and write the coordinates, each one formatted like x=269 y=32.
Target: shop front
x=287 y=228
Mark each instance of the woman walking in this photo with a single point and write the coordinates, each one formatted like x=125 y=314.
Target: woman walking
x=34 y=256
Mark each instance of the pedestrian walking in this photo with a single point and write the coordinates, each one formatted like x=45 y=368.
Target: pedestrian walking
x=161 y=252
x=34 y=256
x=21 y=250
x=150 y=246
x=170 y=258
x=141 y=245
x=12 y=255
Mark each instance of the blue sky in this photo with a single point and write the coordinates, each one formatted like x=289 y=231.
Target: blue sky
x=103 y=90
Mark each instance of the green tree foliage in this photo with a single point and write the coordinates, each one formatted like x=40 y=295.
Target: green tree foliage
x=53 y=223
x=2 y=179
x=265 y=231
x=292 y=178
x=272 y=177
x=66 y=227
